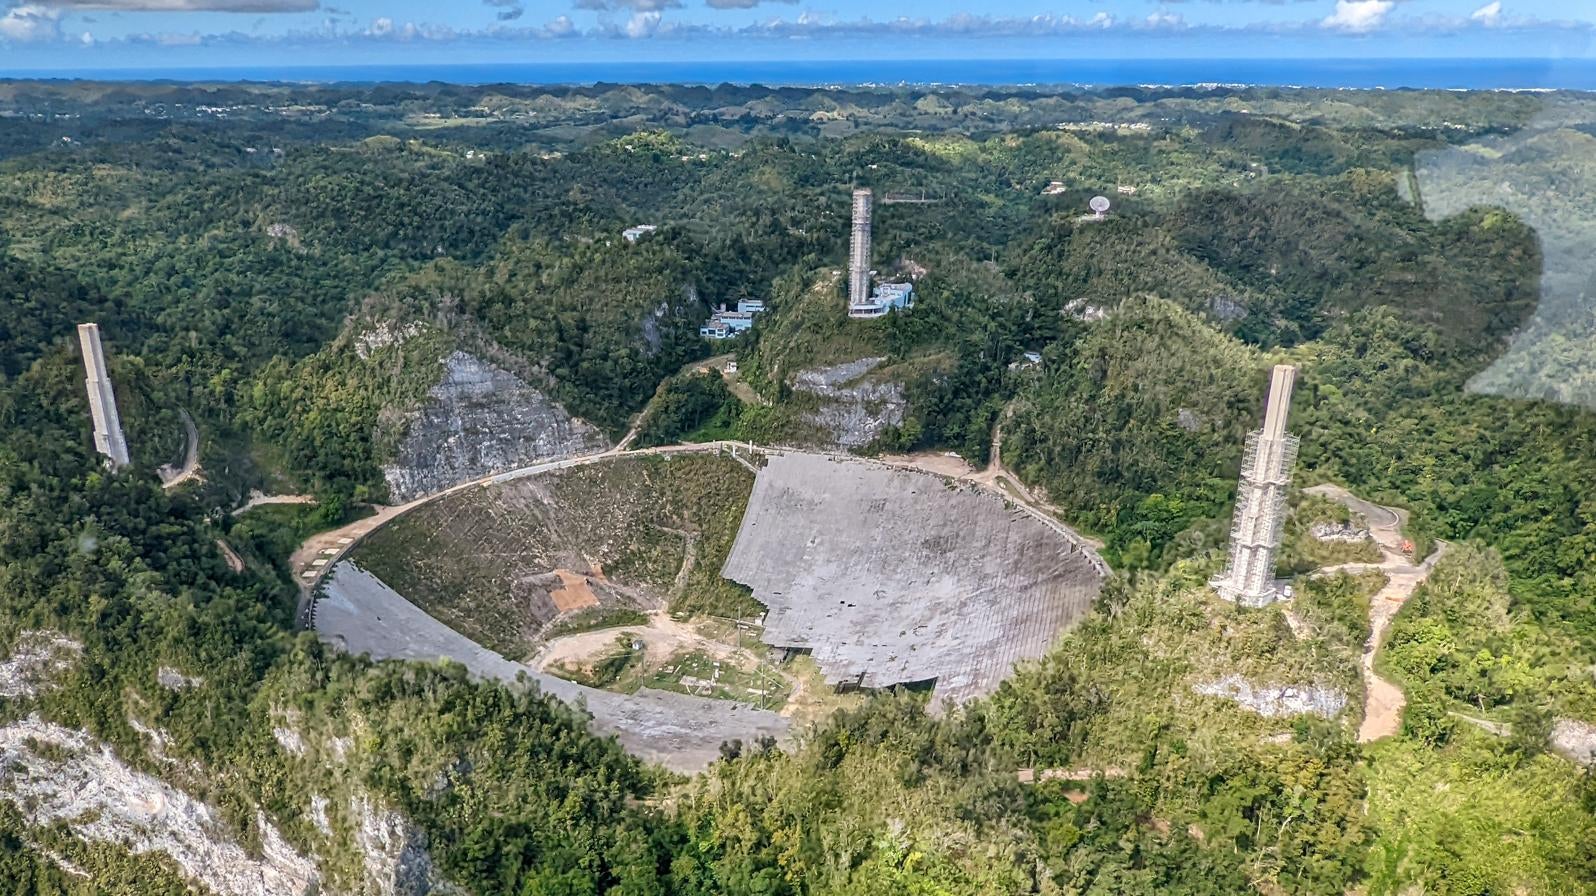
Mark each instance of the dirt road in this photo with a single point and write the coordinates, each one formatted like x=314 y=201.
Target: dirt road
x=662 y=637
x=1383 y=700
x=172 y=477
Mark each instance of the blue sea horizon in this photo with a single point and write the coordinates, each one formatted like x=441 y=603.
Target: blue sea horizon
x=1366 y=74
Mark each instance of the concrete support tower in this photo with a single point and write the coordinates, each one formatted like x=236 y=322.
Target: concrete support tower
x=108 y=438
x=1248 y=578
x=859 y=257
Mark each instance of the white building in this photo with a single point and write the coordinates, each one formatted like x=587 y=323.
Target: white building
x=887 y=298
x=725 y=324
x=633 y=234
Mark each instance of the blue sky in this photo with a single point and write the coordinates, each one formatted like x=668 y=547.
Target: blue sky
x=69 y=35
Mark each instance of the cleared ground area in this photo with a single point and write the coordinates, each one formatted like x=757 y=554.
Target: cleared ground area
x=891 y=576
x=359 y=613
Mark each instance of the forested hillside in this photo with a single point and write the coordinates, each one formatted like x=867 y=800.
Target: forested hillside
x=294 y=273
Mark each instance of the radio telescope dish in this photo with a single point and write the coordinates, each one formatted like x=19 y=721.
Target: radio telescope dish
x=1099 y=204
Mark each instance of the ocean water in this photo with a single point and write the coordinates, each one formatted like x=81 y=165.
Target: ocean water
x=1475 y=74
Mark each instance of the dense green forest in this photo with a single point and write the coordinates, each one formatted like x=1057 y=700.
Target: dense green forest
x=240 y=266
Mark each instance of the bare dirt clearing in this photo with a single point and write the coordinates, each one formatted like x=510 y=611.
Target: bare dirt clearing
x=661 y=637
x=574 y=592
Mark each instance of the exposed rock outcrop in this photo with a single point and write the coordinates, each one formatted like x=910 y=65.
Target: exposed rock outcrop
x=35 y=661
x=481 y=419
x=1274 y=701
x=56 y=775
x=174 y=680
x=384 y=334
x=1576 y=740
x=396 y=859
x=1339 y=532
x=854 y=411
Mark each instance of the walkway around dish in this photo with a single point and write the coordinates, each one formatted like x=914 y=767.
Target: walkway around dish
x=319 y=553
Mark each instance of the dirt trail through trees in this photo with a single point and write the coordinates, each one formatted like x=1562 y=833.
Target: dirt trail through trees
x=1383 y=700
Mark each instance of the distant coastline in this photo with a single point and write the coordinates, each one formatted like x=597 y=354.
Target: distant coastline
x=1358 y=74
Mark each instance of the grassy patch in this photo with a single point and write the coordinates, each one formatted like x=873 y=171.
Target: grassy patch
x=1336 y=608
x=702 y=675
x=1301 y=551
x=593 y=619
x=1130 y=667
x=608 y=670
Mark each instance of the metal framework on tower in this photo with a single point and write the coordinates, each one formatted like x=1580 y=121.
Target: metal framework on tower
x=1260 y=517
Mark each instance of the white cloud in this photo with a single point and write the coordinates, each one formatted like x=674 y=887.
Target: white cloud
x=30 y=22
x=1165 y=19
x=1489 y=14
x=1358 y=15
x=1102 y=20
x=634 y=5
x=561 y=26
x=642 y=24
x=187 y=5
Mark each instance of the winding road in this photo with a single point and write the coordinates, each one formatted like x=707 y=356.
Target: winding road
x=172 y=477
x=1383 y=700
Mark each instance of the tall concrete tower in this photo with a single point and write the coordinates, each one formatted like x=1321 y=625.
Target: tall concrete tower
x=859 y=257
x=108 y=438
x=1248 y=578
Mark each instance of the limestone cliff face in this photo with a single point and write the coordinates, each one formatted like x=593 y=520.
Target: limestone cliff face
x=854 y=409
x=481 y=419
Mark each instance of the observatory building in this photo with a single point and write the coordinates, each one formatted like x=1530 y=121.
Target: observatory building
x=1266 y=465
x=859 y=254
x=888 y=297
x=108 y=438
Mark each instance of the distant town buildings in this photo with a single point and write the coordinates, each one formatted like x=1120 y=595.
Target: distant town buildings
x=886 y=298
x=633 y=234
x=724 y=324
x=1054 y=188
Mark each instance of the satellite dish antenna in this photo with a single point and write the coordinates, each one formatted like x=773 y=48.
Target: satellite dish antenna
x=1099 y=205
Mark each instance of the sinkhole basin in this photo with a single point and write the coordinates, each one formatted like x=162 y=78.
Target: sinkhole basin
x=881 y=575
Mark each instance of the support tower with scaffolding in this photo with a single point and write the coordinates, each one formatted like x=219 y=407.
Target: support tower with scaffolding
x=859 y=254
x=1260 y=517
x=108 y=438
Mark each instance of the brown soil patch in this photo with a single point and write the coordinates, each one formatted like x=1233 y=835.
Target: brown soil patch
x=574 y=592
